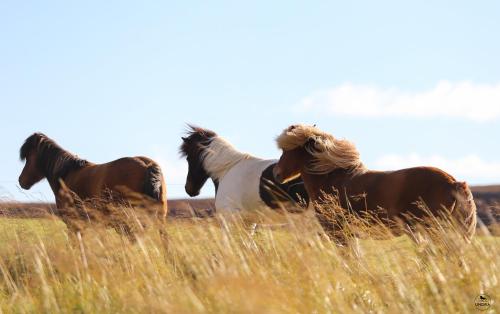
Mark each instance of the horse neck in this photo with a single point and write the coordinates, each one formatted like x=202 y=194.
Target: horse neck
x=220 y=156
x=316 y=184
x=60 y=165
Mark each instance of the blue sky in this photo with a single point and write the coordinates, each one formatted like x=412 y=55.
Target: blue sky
x=408 y=83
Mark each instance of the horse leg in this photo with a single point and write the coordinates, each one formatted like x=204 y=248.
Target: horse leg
x=66 y=211
x=73 y=228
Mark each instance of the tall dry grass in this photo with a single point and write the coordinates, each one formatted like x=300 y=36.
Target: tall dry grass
x=224 y=265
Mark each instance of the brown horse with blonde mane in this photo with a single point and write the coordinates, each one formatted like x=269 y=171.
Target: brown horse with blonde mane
x=331 y=166
x=46 y=159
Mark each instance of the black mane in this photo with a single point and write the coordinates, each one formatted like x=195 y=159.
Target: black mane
x=197 y=138
x=52 y=160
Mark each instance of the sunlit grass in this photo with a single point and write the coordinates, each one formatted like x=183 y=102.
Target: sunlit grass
x=220 y=265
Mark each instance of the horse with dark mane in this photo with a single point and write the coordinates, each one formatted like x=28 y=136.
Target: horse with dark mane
x=242 y=181
x=331 y=166
x=63 y=170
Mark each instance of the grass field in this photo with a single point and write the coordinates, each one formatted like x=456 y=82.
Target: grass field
x=218 y=265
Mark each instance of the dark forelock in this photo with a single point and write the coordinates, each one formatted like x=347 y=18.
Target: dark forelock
x=196 y=137
x=30 y=143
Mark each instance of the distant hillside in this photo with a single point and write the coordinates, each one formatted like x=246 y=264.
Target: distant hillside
x=486 y=189
x=487 y=199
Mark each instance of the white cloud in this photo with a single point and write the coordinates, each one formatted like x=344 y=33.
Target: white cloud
x=471 y=168
x=479 y=102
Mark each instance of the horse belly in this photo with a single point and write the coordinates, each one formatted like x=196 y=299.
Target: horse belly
x=85 y=183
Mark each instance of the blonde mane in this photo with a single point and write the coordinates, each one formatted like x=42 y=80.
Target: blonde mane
x=329 y=153
x=220 y=155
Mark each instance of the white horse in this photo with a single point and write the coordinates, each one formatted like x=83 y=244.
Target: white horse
x=242 y=181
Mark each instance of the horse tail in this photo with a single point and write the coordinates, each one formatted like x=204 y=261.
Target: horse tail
x=154 y=187
x=153 y=182
x=464 y=210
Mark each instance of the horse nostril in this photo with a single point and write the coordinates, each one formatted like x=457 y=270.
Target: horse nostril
x=277 y=175
x=190 y=191
x=23 y=184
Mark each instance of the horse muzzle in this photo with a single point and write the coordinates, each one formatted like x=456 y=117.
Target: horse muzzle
x=25 y=185
x=190 y=191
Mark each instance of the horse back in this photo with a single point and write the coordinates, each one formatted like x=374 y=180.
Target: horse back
x=398 y=191
x=137 y=174
x=431 y=185
x=128 y=171
x=431 y=191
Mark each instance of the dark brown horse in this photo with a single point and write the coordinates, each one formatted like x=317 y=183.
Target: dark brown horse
x=332 y=166
x=45 y=159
